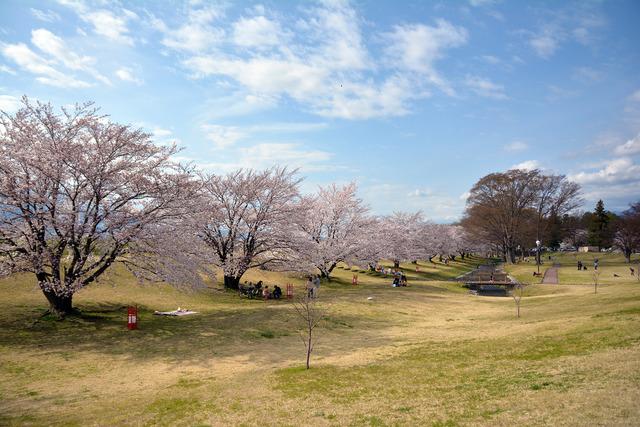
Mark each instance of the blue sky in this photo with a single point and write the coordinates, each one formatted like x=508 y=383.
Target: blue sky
x=414 y=100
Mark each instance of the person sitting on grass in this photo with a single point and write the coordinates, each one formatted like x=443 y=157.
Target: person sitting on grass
x=403 y=280
x=277 y=292
x=265 y=293
x=396 y=282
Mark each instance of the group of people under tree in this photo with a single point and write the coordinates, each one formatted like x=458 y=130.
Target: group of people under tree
x=259 y=290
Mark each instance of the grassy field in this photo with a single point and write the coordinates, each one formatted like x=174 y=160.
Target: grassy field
x=429 y=354
x=612 y=267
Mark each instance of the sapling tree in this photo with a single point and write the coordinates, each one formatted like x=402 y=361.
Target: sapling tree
x=596 y=277
x=77 y=192
x=516 y=294
x=310 y=314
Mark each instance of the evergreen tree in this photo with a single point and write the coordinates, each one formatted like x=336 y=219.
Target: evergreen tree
x=600 y=230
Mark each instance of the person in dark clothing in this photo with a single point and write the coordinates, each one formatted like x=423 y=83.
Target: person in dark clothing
x=277 y=292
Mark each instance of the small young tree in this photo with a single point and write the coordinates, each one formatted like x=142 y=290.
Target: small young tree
x=596 y=276
x=516 y=294
x=310 y=314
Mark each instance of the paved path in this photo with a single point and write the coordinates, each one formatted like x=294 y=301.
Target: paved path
x=551 y=275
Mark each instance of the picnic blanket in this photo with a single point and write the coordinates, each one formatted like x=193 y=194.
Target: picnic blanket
x=174 y=313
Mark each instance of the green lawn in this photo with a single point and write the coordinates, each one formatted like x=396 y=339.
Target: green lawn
x=429 y=354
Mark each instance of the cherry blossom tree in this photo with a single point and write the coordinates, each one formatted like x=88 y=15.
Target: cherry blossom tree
x=403 y=235
x=335 y=228
x=249 y=220
x=77 y=192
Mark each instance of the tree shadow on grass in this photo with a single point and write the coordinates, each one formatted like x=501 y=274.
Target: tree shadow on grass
x=246 y=332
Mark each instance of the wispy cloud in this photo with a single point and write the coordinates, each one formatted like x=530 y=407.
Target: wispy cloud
x=320 y=61
x=9 y=103
x=629 y=148
x=111 y=24
x=485 y=87
x=45 y=15
x=35 y=64
x=527 y=165
x=516 y=146
x=127 y=74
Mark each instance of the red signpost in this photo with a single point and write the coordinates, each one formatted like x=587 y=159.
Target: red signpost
x=289 y=291
x=132 y=317
x=354 y=279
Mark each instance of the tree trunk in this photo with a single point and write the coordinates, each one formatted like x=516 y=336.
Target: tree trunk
x=59 y=306
x=231 y=282
x=326 y=273
x=396 y=264
x=627 y=255
x=309 y=350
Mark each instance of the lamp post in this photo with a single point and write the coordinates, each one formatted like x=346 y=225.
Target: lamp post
x=538 y=254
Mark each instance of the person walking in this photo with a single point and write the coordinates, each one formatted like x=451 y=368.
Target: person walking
x=310 y=287
x=316 y=285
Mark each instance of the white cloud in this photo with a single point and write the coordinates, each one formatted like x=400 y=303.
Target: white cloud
x=386 y=198
x=616 y=171
x=55 y=47
x=265 y=155
x=491 y=59
x=107 y=24
x=9 y=104
x=29 y=61
x=198 y=34
x=335 y=29
x=8 y=70
x=161 y=133
x=416 y=48
x=320 y=61
x=516 y=146
x=545 y=43
x=478 y=3
x=127 y=75
x=527 y=165
x=629 y=148
x=223 y=136
x=45 y=15
x=112 y=25
x=419 y=192
x=256 y=31
x=635 y=96
x=486 y=88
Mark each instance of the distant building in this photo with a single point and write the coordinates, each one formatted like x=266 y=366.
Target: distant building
x=588 y=249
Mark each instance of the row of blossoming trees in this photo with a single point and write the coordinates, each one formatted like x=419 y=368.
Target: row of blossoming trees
x=79 y=193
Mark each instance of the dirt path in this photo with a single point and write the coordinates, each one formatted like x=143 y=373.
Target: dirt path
x=551 y=275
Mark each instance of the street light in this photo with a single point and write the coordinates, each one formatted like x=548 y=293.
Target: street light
x=538 y=254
